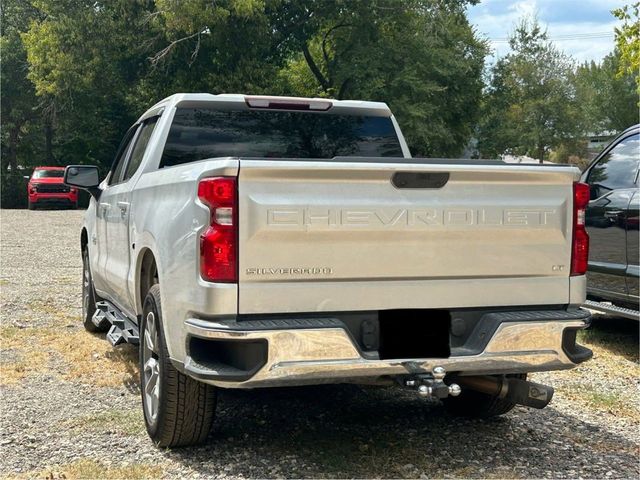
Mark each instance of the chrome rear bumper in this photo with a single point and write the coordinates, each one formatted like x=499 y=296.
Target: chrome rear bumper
x=327 y=354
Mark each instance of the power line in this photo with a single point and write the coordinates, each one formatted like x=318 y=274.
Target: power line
x=568 y=37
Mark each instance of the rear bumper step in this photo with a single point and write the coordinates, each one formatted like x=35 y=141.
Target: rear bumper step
x=279 y=352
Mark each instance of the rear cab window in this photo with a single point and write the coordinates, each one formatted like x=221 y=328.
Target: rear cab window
x=201 y=133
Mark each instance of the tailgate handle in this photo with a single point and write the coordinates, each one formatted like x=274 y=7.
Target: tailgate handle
x=420 y=179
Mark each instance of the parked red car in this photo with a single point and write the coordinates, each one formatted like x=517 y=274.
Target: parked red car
x=47 y=188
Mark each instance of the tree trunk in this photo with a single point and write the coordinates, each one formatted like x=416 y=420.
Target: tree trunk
x=324 y=83
x=343 y=88
x=12 y=154
x=541 y=153
x=48 y=136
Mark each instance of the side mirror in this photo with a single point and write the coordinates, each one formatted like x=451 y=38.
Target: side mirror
x=83 y=176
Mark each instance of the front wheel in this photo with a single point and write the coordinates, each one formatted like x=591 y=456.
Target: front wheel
x=480 y=405
x=31 y=205
x=178 y=410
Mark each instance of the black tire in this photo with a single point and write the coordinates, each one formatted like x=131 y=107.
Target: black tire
x=185 y=408
x=89 y=298
x=31 y=205
x=480 y=405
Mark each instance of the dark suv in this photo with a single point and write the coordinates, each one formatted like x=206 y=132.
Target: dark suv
x=612 y=224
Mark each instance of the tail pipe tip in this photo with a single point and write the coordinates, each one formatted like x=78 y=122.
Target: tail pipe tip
x=517 y=390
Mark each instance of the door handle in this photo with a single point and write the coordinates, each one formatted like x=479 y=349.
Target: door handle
x=104 y=208
x=123 y=206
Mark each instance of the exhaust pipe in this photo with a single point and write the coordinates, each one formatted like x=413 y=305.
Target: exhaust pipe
x=516 y=390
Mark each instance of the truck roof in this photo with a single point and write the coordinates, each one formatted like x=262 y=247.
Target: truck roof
x=344 y=106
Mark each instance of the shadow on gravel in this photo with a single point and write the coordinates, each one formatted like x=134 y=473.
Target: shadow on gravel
x=347 y=431
x=618 y=335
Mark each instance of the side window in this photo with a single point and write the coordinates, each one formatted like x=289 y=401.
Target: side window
x=140 y=147
x=617 y=169
x=121 y=156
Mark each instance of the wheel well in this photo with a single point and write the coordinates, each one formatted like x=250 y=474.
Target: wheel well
x=148 y=274
x=84 y=240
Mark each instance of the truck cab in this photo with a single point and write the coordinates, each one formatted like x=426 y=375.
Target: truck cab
x=612 y=224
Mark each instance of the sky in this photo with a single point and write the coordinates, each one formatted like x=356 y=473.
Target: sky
x=581 y=28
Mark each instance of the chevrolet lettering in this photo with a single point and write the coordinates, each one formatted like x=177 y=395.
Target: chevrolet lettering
x=408 y=217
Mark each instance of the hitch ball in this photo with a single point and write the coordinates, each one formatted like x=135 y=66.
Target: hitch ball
x=438 y=373
x=425 y=390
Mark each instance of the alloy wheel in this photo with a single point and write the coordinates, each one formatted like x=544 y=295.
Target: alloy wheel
x=151 y=367
x=86 y=286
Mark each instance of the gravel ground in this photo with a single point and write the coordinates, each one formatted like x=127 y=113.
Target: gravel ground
x=70 y=403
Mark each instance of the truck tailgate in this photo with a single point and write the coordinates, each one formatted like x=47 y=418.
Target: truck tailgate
x=349 y=235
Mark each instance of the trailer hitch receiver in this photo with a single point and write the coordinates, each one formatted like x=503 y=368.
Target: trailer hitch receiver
x=431 y=385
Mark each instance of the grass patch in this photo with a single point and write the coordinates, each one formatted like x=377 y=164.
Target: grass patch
x=20 y=361
x=620 y=405
x=91 y=359
x=46 y=308
x=124 y=422
x=7 y=333
x=86 y=358
x=605 y=401
x=619 y=337
x=91 y=469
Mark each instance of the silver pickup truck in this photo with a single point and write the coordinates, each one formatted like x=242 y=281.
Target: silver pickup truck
x=251 y=241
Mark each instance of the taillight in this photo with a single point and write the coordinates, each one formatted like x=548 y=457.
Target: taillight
x=580 y=244
x=219 y=243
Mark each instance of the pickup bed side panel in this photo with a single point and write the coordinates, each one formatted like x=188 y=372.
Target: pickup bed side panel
x=168 y=218
x=337 y=236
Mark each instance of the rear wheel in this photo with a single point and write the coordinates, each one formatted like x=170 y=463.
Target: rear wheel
x=89 y=298
x=480 y=405
x=178 y=410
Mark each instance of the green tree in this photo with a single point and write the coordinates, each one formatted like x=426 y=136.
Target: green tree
x=423 y=60
x=18 y=103
x=85 y=59
x=420 y=56
x=628 y=41
x=530 y=106
x=608 y=100
x=94 y=66
x=20 y=109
